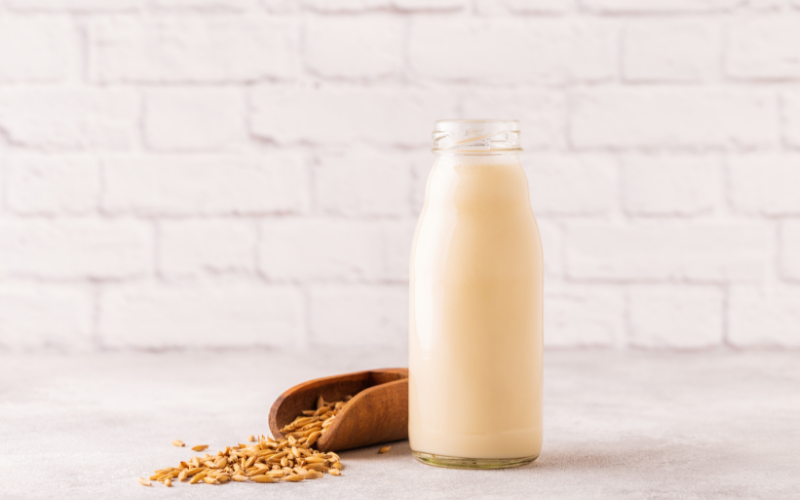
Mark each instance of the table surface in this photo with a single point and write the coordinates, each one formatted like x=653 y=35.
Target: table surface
x=621 y=425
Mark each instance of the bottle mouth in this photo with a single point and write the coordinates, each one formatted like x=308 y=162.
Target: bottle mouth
x=476 y=136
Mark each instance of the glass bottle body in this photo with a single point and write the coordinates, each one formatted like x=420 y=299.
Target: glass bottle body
x=475 y=336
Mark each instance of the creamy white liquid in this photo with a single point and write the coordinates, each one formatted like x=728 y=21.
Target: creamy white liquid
x=475 y=337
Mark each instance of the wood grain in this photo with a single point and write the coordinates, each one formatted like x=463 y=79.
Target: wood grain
x=378 y=412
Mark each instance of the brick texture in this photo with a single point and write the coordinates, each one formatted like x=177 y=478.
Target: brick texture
x=47 y=50
x=205 y=5
x=194 y=120
x=659 y=6
x=275 y=183
x=765 y=184
x=588 y=317
x=345 y=6
x=673 y=117
x=675 y=317
x=190 y=248
x=523 y=6
x=248 y=173
x=88 y=6
x=239 y=315
x=790 y=250
x=351 y=6
x=354 y=48
x=662 y=51
x=572 y=184
x=669 y=251
x=330 y=116
x=791 y=116
x=192 y=49
x=766 y=317
x=75 y=249
x=47 y=118
x=511 y=50
x=319 y=249
x=674 y=185
x=763 y=48
x=359 y=315
x=66 y=184
x=363 y=183
x=36 y=317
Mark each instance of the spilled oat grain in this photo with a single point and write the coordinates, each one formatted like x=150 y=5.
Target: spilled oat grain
x=266 y=461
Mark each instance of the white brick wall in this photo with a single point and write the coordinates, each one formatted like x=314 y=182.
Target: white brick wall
x=673 y=117
x=46 y=53
x=186 y=185
x=75 y=248
x=512 y=50
x=52 y=185
x=362 y=183
x=676 y=317
x=355 y=47
x=573 y=184
x=765 y=184
x=215 y=315
x=763 y=48
x=670 y=185
x=34 y=316
x=656 y=250
x=667 y=50
x=61 y=118
x=190 y=119
x=191 y=49
x=339 y=315
x=196 y=247
x=213 y=173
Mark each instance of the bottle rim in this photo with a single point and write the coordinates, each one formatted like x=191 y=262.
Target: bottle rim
x=476 y=136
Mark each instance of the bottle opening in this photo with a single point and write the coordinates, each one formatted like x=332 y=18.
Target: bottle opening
x=476 y=136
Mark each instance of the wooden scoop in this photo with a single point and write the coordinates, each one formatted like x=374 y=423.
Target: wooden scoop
x=377 y=413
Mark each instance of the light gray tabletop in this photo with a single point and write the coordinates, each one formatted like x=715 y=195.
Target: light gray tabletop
x=621 y=425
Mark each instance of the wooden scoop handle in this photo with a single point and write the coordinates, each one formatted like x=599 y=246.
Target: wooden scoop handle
x=377 y=413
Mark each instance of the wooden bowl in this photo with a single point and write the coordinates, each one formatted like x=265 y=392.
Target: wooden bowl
x=378 y=412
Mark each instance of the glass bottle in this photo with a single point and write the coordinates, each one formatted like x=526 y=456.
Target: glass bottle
x=475 y=332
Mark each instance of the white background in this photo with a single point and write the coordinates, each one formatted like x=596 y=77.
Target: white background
x=235 y=173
